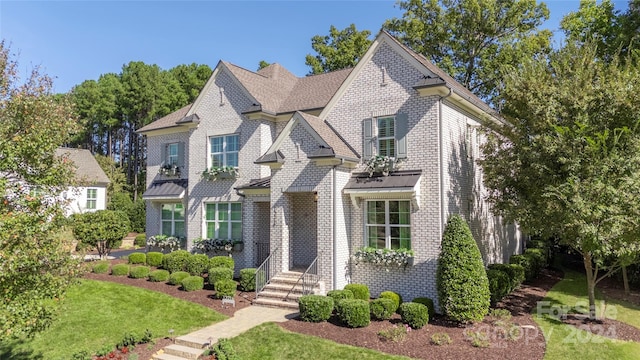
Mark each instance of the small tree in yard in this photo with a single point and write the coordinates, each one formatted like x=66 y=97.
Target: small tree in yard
x=463 y=288
x=103 y=229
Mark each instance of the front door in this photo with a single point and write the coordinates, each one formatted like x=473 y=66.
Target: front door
x=261 y=233
x=304 y=231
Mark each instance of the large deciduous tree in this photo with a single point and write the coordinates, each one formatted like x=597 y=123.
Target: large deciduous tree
x=340 y=49
x=35 y=268
x=567 y=163
x=473 y=39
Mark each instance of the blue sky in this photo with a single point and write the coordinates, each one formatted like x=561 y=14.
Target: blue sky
x=75 y=41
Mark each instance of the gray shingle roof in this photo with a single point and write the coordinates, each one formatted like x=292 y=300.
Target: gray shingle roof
x=87 y=169
x=338 y=146
x=172 y=120
x=263 y=183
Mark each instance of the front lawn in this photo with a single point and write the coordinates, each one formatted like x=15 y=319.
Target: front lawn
x=96 y=314
x=568 y=342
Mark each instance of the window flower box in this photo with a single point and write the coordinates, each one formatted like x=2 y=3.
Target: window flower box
x=169 y=170
x=165 y=242
x=217 y=245
x=384 y=257
x=220 y=172
x=381 y=165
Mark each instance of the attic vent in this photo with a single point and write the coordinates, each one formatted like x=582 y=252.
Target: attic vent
x=221 y=96
x=384 y=75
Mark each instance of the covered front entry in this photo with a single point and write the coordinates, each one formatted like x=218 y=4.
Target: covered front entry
x=303 y=245
x=261 y=233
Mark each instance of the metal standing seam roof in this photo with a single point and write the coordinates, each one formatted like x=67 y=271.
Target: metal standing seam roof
x=166 y=189
x=397 y=179
x=87 y=169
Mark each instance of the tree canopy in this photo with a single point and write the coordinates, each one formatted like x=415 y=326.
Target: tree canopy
x=472 y=40
x=340 y=49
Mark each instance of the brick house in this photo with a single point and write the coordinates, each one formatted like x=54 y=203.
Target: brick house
x=300 y=147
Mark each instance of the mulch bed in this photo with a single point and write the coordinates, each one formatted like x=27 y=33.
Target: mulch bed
x=528 y=343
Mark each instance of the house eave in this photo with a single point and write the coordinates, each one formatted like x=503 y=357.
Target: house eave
x=168 y=130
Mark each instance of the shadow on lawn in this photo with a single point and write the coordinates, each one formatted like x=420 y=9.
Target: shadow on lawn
x=11 y=350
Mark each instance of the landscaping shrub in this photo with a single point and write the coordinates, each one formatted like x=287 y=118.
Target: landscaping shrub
x=177 y=277
x=159 y=275
x=102 y=229
x=197 y=264
x=395 y=297
x=338 y=295
x=140 y=240
x=360 y=291
x=192 y=283
x=463 y=288
x=176 y=261
x=354 y=312
x=499 y=285
x=120 y=270
x=428 y=303
x=382 y=308
x=154 y=258
x=220 y=273
x=139 y=272
x=137 y=258
x=101 y=267
x=514 y=271
x=315 y=308
x=221 y=261
x=248 y=279
x=525 y=262
x=223 y=350
x=539 y=258
x=414 y=314
x=225 y=287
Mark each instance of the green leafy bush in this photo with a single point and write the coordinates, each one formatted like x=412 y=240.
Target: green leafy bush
x=225 y=287
x=338 y=295
x=354 y=312
x=159 y=275
x=248 y=279
x=120 y=270
x=177 y=277
x=192 y=283
x=414 y=314
x=102 y=229
x=137 y=258
x=154 y=258
x=176 y=261
x=360 y=291
x=539 y=258
x=315 y=308
x=220 y=273
x=140 y=240
x=499 y=285
x=463 y=287
x=397 y=299
x=223 y=350
x=382 y=308
x=525 y=262
x=197 y=264
x=221 y=261
x=428 y=303
x=139 y=272
x=101 y=267
x=514 y=271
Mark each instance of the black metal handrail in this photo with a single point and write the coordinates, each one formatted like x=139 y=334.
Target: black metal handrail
x=265 y=272
x=309 y=279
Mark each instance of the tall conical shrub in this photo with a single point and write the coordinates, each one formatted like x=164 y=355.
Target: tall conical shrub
x=463 y=288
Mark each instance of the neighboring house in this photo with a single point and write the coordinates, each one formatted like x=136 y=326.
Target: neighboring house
x=90 y=193
x=300 y=147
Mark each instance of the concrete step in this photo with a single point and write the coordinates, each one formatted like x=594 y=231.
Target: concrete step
x=280 y=295
x=277 y=286
x=183 y=351
x=274 y=303
x=192 y=341
x=164 y=356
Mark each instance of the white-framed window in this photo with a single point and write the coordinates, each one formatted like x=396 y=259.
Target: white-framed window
x=173 y=220
x=388 y=224
x=92 y=198
x=223 y=220
x=224 y=150
x=386 y=136
x=172 y=154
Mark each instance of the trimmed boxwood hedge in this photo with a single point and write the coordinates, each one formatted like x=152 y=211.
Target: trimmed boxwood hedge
x=354 y=312
x=139 y=272
x=382 y=308
x=101 y=267
x=414 y=314
x=220 y=273
x=360 y=291
x=248 y=279
x=154 y=258
x=140 y=240
x=395 y=297
x=525 y=262
x=315 y=308
x=221 y=261
x=428 y=303
x=120 y=270
x=159 y=275
x=197 y=264
x=514 y=271
x=137 y=258
x=192 y=283
x=225 y=287
x=177 y=277
x=499 y=285
x=338 y=295
x=175 y=261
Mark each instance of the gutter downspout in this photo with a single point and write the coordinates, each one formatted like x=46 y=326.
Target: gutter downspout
x=441 y=157
x=334 y=228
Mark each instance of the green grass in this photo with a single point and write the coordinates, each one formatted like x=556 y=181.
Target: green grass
x=96 y=313
x=567 y=342
x=276 y=343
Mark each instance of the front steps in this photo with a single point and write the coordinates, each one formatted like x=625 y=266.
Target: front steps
x=185 y=348
x=274 y=293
